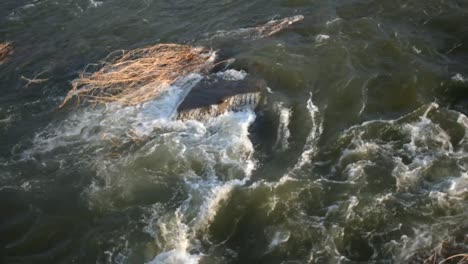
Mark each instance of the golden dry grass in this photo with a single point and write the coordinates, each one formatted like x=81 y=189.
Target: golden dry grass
x=136 y=76
x=5 y=50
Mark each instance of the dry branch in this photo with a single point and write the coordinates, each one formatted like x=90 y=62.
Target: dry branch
x=463 y=258
x=35 y=79
x=139 y=75
x=5 y=50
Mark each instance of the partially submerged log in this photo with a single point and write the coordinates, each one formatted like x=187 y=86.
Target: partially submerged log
x=268 y=29
x=275 y=26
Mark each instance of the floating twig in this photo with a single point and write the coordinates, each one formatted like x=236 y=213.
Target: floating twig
x=35 y=79
x=462 y=256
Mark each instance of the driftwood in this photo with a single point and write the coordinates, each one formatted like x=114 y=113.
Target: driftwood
x=268 y=29
x=275 y=26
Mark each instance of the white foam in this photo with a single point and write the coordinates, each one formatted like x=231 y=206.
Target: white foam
x=321 y=38
x=422 y=141
x=355 y=171
x=94 y=3
x=176 y=241
x=359 y=147
x=416 y=50
x=232 y=75
x=353 y=202
x=213 y=193
x=407 y=246
x=92 y=125
x=175 y=257
x=7 y=120
x=333 y=21
x=279 y=237
x=459 y=78
x=424 y=135
x=463 y=121
x=409 y=176
x=451 y=193
x=174 y=148
x=228 y=145
x=313 y=137
x=283 y=133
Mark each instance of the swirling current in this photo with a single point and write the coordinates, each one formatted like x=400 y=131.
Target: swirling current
x=361 y=156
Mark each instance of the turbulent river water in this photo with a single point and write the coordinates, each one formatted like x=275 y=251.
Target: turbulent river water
x=363 y=157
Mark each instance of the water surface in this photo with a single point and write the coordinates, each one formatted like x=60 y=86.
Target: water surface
x=361 y=158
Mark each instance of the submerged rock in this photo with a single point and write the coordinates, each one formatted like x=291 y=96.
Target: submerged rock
x=215 y=95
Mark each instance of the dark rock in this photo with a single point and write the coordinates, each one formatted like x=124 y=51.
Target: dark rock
x=215 y=95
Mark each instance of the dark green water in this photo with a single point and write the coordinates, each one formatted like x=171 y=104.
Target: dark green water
x=364 y=159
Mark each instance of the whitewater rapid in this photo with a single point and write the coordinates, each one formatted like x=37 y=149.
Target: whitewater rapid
x=207 y=159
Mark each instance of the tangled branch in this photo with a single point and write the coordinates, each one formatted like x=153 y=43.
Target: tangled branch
x=136 y=76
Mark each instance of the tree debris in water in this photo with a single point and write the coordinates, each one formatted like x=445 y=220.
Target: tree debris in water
x=139 y=75
x=5 y=50
x=275 y=26
x=34 y=80
x=460 y=258
x=447 y=252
